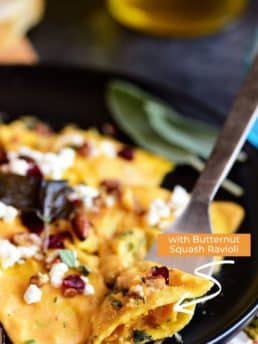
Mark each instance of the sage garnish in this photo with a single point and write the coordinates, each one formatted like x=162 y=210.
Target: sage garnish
x=68 y=257
x=194 y=136
x=156 y=127
x=141 y=336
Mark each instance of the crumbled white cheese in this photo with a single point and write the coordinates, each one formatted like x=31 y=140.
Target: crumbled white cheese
x=179 y=200
x=138 y=290
x=52 y=165
x=89 y=289
x=85 y=193
x=57 y=274
x=158 y=210
x=71 y=139
x=27 y=251
x=32 y=294
x=18 y=166
x=11 y=254
x=108 y=148
x=7 y=212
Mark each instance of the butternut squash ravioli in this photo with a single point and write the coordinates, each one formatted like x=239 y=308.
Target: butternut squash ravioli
x=78 y=213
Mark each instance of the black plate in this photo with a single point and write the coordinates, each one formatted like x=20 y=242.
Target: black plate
x=62 y=94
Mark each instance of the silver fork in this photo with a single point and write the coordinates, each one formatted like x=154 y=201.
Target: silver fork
x=195 y=218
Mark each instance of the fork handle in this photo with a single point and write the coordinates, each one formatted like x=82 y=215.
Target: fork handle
x=231 y=138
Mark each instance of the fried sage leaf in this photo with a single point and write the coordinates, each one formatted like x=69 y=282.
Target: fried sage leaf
x=53 y=200
x=48 y=199
x=147 y=121
x=195 y=136
x=19 y=191
x=127 y=105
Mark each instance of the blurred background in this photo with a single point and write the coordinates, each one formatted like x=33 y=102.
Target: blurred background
x=203 y=50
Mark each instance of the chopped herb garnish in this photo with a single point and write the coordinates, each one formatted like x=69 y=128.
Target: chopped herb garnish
x=55 y=299
x=30 y=341
x=68 y=257
x=141 y=336
x=117 y=304
x=84 y=270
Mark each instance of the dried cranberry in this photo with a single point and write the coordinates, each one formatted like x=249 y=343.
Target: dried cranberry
x=160 y=271
x=80 y=224
x=56 y=241
x=32 y=222
x=126 y=153
x=3 y=156
x=74 y=282
x=34 y=171
x=111 y=186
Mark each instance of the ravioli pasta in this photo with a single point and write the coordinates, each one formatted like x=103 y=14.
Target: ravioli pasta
x=78 y=213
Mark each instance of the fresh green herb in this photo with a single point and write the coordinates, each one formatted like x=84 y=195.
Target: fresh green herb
x=55 y=299
x=126 y=103
x=84 y=270
x=30 y=341
x=141 y=336
x=156 y=127
x=68 y=257
x=194 y=136
x=117 y=304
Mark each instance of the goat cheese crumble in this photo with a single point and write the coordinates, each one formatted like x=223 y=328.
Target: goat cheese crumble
x=32 y=294
x=7 y=212
x=52 y=165
x=88 y=289
x=11 y=254
x=85 y=193
x=160 y=210
x=57 y=273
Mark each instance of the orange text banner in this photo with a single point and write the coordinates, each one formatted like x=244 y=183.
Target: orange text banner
x=200 y=244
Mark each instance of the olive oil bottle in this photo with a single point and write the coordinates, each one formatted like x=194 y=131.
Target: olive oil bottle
x=180 y=18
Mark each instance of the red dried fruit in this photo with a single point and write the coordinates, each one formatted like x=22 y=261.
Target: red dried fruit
x=3 y=156
x=80 y=223
x=57 y=240
x=32 y=222
x=34 y=171
x=111 y=186
x=126 y=153
x=84 y=150
x=160 y=271
x=73 y=282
